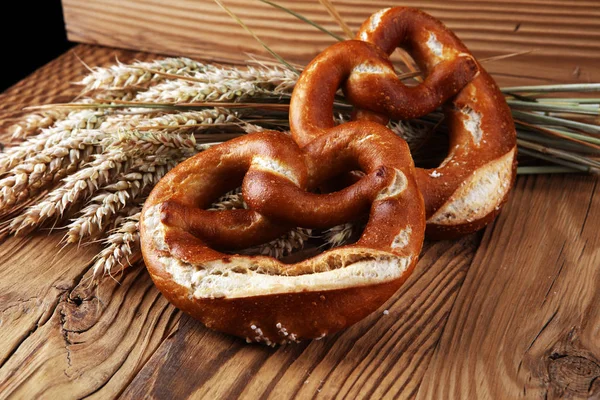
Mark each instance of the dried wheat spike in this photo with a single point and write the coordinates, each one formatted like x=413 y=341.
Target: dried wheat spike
x=122 y=76
x=127 y=189
x=86 y=119
x=32 y=124
x=338 y=235
x=283 y=246
x=232 y=200
x=84 y=183
x=122 y=248
x=48 y=166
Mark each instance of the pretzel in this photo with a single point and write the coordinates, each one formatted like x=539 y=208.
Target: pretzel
x=264 y=300
x=468 y=189
x=259 y=297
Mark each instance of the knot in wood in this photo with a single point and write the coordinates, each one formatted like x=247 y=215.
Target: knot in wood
x=574 y=374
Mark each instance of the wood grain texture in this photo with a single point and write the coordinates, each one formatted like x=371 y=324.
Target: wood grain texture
x=564 y=35
x=62 y=337
x=526 y=321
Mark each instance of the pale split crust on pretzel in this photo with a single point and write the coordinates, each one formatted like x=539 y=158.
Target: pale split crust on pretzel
x=468 y=189
x=258 y=297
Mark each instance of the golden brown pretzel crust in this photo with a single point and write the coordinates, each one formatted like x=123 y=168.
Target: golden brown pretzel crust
x=467 y=190
x=261 y=298
x=258 y=297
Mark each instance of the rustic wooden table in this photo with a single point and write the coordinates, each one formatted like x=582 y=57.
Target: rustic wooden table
x=511 y=312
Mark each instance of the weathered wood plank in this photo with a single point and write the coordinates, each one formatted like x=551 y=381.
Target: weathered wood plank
x=525 y=323
x=383 y=355
x=62 y=338
x=564 y=35
x=60 y=335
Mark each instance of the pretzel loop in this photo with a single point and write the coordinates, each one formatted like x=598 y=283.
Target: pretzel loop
x=468 y=189
x=181 y=241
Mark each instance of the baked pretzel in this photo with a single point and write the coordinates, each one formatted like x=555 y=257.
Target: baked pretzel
x=467 y=190
x=259 y=297
x=266 y=300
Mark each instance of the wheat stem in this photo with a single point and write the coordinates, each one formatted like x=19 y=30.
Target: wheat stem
x=545 y=169
x=575 y=87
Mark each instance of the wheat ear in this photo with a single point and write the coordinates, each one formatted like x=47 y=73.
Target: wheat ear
x=48 y=166
x=32 y=124
x=139 y=74
x=338 y=235
x=84 y=183
x=127 y=189
x=85 y=119
x=121 y=250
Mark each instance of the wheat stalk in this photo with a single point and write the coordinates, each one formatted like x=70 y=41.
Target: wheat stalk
x=82 y=184
x=188 y=92
x=121 y=250
x=337 y=18
x=138 y=74
x=247 y=29
x=127 y=189
x=44 y=161
x=48 y=166
x=183 y=91
x=83 y=119
x=50 y=161
x=214 y=116
x=280 y=80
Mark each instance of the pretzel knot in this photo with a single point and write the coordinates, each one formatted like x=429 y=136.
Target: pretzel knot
x=263 y=299
x=259 y=297
x=468 y=189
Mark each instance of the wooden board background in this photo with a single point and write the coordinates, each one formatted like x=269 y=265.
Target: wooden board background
x=564 y=35
x=511 y=312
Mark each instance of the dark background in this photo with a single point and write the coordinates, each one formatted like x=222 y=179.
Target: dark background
x=33 y=33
